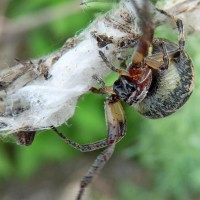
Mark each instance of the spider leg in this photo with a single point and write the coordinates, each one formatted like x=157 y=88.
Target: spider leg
x=179 y=25
x=104 y=89
x=121 y=72
x=159 y=56
x=85 y=147
x=153 y=63
x=122 y=63
x=123 y=58
x=165 y=56
x=161 y=60
x=95 y=168
x=116 y=131
x=147 y=29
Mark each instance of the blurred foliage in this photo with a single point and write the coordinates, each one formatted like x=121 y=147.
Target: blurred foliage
x=167 y=148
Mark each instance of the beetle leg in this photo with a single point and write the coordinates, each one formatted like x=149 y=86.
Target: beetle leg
x=179 y=25
x=116 y=130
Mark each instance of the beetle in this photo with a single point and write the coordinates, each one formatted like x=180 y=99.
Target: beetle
x=157 y=82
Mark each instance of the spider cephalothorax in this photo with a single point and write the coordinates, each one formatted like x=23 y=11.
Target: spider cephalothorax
x=133 y=89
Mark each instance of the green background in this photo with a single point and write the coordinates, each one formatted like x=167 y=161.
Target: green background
x=165 y=152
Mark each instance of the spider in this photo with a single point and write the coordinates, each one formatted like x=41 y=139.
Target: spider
x=157 y=82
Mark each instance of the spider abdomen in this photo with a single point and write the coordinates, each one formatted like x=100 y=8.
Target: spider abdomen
x=170 y=88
